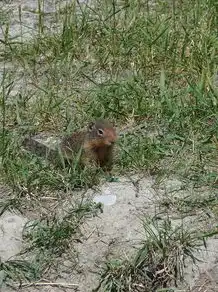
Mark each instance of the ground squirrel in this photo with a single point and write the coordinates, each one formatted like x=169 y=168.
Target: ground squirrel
x=96 y=144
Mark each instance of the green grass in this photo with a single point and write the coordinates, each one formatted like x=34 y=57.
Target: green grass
x=18 y=270
x=52 y=236
x=160 y=261
x=146 y=65
x=46 y=240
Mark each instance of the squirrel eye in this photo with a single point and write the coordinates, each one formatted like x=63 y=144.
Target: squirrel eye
x=100 y=132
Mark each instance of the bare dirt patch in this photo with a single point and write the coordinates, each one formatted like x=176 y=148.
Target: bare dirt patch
x=115 y=233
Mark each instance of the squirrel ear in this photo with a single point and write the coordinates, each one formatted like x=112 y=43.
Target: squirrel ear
x=90 y=126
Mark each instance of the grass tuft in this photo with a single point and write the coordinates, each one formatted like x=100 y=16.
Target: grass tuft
x=52 y=236
x=158 y=264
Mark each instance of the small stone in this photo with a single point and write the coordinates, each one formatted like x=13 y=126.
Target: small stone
x=107 y=200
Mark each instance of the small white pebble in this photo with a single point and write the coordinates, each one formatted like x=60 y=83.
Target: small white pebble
x=105 y=199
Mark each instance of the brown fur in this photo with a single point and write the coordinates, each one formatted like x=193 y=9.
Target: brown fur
x=96 y=144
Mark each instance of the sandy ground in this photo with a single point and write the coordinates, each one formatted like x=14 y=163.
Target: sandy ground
x=113 y=234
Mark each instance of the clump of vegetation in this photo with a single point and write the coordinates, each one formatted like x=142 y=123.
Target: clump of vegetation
x=46 y=241
x=52 y=236
x=158 y=264
x=18 y=270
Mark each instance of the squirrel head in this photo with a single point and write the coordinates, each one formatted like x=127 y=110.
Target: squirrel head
x=102 y=133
